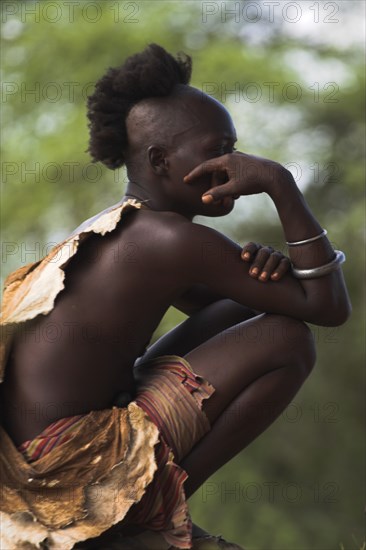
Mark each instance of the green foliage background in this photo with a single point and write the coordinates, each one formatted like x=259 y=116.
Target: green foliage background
x=300 y=485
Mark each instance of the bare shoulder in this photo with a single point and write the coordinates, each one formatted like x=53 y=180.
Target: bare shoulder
x=170 y=241
x=167 y=221
x=170 y=238
x=154 y=229
x=175 y=228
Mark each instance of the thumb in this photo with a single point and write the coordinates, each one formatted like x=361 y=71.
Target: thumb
x=215 y=194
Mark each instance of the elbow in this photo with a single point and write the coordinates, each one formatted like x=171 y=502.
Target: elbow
x=334 y=317
x=344 y=314
x=342 y=311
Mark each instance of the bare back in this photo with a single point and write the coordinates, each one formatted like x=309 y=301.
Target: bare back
x=80 y=355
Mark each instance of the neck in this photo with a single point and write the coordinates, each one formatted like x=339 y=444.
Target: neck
x=158 y=203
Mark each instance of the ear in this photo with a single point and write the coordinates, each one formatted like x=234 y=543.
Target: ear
x=158 y=159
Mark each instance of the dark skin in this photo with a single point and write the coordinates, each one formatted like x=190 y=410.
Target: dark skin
x=157 y=257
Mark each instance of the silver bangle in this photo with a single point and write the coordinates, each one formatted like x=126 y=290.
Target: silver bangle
x=322 y=270
x=305 y=241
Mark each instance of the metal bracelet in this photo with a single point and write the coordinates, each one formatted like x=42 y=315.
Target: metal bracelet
x=322 y=270
x=305 y=241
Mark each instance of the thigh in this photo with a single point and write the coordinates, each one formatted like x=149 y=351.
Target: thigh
x=198 y=328
x=236 y=357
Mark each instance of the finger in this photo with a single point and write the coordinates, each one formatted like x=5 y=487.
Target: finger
x=217 y=178
x=207 y=167
x=282 y=268
x=218 y=192
x=260 y=260
x=271 y=265
x=249 y=251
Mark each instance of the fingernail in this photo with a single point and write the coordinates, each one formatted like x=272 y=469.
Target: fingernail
x=207 y=198
x=246 y=255
x=254 y=271
x=274 y=275
x=263 y=275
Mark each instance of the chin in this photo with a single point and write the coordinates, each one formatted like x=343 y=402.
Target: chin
x=222 y=208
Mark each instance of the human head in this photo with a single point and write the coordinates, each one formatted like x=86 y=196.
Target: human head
x=145 y=115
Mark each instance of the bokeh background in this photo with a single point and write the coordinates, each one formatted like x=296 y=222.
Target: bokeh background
x=292 y=76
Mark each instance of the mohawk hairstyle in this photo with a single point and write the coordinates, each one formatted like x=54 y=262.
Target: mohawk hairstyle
x=150 y=73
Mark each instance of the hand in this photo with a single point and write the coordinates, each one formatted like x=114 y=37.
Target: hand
x=237 y=174
x=267 y=263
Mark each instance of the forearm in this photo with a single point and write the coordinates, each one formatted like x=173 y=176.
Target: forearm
x=328 y=293
x=299 y=224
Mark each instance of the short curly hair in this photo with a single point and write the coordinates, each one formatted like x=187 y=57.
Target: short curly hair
x=151 y=73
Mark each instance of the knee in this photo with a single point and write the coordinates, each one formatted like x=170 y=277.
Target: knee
x=295 y=342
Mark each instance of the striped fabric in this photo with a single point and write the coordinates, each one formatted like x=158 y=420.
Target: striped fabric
x=171 y=394
x=55 y=434
x=177 y=415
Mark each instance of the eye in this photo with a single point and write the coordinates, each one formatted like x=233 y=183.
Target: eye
x=229 y=150
x=224 y=150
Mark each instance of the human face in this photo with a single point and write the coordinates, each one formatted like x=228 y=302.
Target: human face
x=212 y=137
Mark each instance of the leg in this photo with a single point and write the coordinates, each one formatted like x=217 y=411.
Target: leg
x=195 y=330
x=256 y=367
x=198 y=328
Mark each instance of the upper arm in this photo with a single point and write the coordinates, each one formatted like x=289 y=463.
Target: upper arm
x=208 y=257
x=195 y=298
